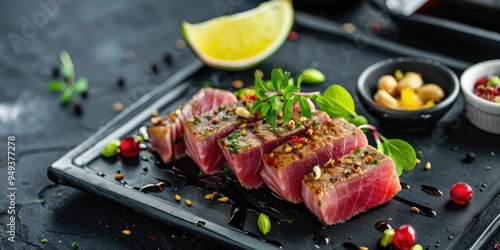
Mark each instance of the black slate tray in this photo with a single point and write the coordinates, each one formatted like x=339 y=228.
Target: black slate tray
x=234 y=224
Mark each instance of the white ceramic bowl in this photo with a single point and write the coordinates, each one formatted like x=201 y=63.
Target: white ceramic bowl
x=481 y=113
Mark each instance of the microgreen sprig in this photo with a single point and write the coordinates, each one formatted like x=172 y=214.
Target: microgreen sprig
x=70 y=86
x=279 y=96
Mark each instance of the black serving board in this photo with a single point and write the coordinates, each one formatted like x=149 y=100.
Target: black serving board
x=337 y=55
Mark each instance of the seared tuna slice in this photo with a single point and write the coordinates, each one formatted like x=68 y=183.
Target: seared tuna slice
x=285 y=166
x=244 y=148
x=202 y=133
x=167 y=132
x=349 y=185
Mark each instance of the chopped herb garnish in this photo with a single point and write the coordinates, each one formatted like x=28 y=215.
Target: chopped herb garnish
x=374 y=162
x=44 y=240
x=315 y=123
x=207 y=133
x=225 y=118
x=234 y=146
x=201 y=174
x=358 y=150
x=298 y=124
x=319 y=202
x=234 y=135
x=196 y=121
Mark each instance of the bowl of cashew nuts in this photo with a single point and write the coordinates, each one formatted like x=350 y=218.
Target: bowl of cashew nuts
x=407 y=93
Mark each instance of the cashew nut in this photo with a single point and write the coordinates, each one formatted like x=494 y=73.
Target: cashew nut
x=389 y=84
x=430 y=91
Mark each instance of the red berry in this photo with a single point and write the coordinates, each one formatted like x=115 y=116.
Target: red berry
x=129 y=146
x=293 y=35
x=461 y=193
x=482 y=81
x=405 y=237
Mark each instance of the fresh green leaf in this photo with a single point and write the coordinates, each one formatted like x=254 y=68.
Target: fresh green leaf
x=271 y=117
x=264 y=109
x=67 y=95
x=343 y=104
x=276 y=74
x=67 y=68
x=260 y=84
x=288 y=111
x=256 y=106
x=264 y=223
x=323 y=103
x=56 y=86
x=276 y=104
x=401 y=152
x=81 y=85
x=300 y=79
x=304 y=107
x=283 y=81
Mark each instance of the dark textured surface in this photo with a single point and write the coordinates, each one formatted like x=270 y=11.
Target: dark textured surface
x=97 y=37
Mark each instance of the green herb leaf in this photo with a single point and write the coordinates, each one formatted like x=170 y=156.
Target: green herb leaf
x=342 y=102
x=401 y=152
x=271 y=117
x=300 y=79
x=67 y=68
x=56 y=86
x=67 y=95
x=288 y=111
x=81 y=85
x=256 y=106
x=304 y=107
x=264 y=109
x=264 y=223
x=276 y=74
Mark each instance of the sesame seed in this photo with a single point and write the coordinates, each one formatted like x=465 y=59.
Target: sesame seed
x=427 y=166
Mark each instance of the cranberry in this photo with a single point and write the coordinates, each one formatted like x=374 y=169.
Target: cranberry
x=129 y=146
x=461 y=193
x=405 y=237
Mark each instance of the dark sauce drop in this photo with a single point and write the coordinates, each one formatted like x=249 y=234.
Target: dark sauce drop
x=404 y=185
x=431 y=190
x=350 y=246
x=382 y=226
x=320 y=238
x=427 y=211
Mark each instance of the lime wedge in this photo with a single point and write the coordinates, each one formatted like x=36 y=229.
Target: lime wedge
x=242 y=40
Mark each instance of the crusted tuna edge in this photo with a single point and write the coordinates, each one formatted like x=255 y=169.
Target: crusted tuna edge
x=209 y=128
x=354 y=165
x=167 y=131
x=256 y=139
x=322 y=141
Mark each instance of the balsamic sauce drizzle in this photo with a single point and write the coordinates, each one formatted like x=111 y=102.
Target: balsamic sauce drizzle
x=431 y=190
x=427 y=211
